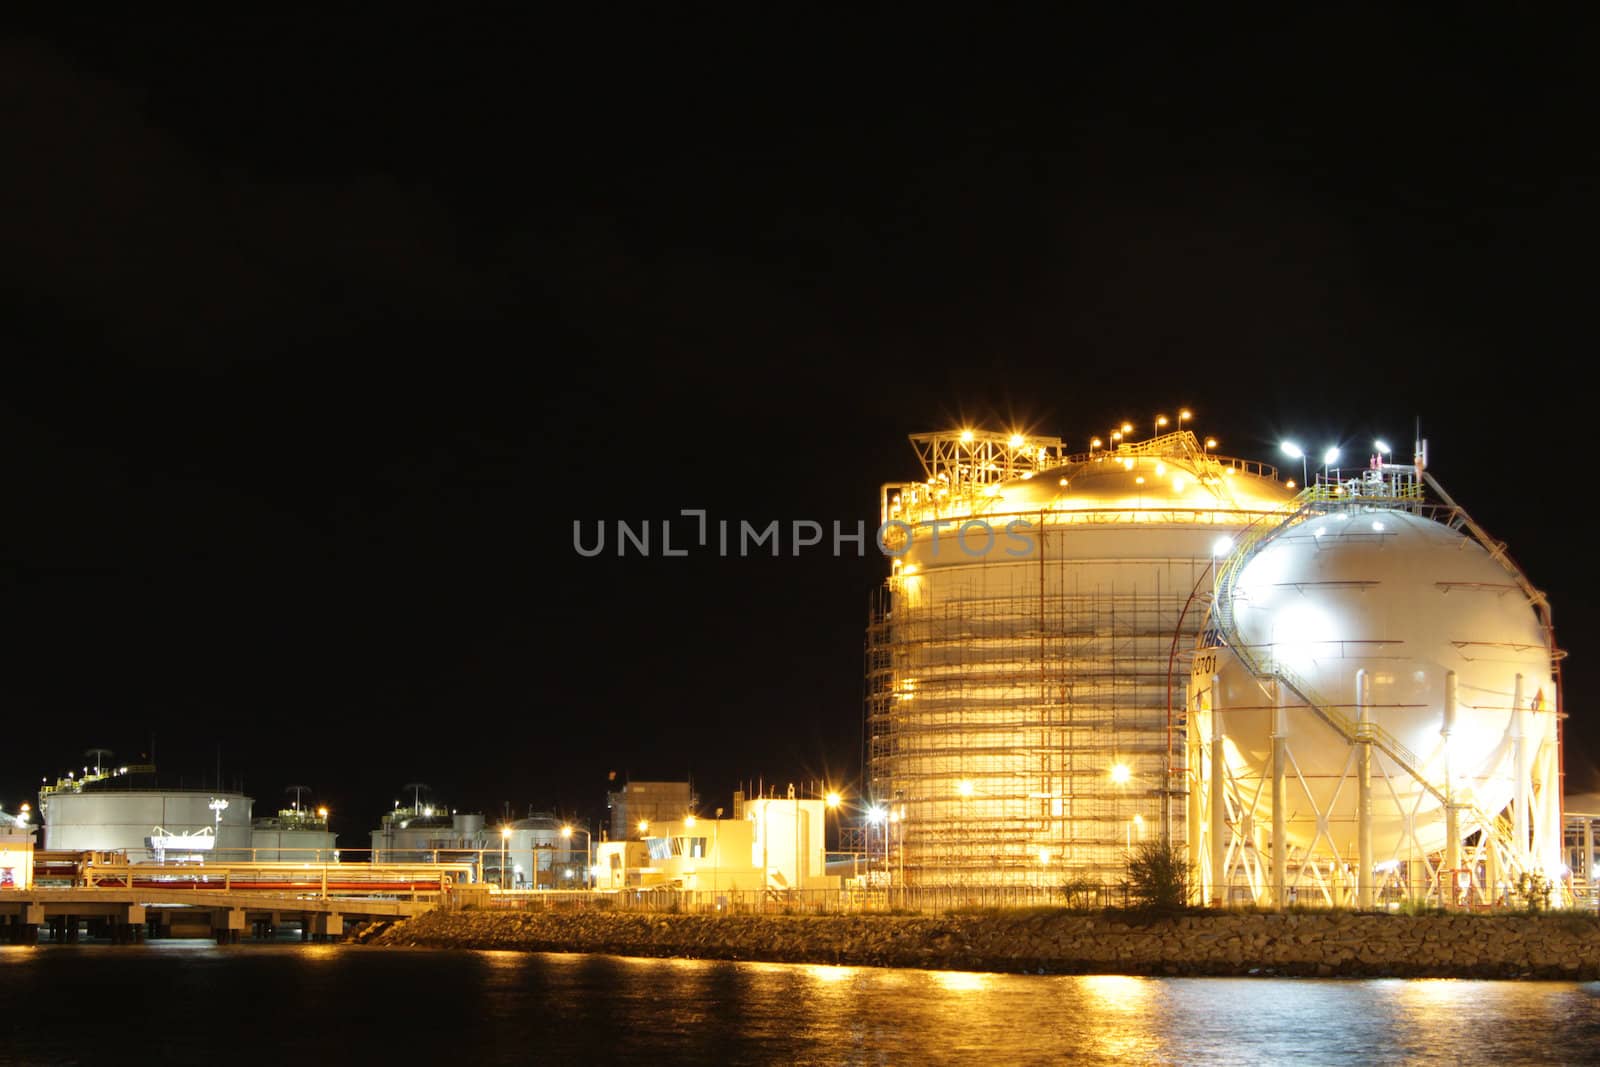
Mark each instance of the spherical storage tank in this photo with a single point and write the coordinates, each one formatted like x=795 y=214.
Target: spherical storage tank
x=1019 y=658
x=1361 y=628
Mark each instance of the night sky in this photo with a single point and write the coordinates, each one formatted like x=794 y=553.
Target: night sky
x=322 y=334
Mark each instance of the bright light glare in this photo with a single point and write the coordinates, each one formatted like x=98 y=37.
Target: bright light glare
x=966 y=435
x=1222 y=546
x=1017 y=440
x=1120 y=773
x=833 y=800
x=1330 y=456
x=964 y=788
x=875 y=816
x=1291 y=450
x=689 y=821
x=1301 y=631
x=1383 y=449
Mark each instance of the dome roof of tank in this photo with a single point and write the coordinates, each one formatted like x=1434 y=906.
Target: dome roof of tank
x=1132 y=481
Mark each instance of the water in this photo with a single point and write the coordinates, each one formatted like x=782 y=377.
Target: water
x=195 y=1003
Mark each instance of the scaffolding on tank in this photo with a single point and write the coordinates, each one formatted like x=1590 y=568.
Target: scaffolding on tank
x=1018 y=725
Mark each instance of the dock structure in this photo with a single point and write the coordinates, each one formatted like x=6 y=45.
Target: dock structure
x=127 y=902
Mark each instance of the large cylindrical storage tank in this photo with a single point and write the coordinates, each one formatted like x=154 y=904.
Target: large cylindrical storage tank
x=125 y=820
x=1018 y=659
x=1375 y=667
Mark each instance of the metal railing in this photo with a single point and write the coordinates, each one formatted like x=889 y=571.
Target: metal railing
x=91 y=870
x=929 y=900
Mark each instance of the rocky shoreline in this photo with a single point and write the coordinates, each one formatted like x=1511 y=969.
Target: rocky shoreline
x=1050 y=941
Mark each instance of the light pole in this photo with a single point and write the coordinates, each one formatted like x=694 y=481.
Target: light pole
x=219 y=806
x=1329 y=458
x=716 y=860
x=1184 y=415
x=505 y=842
x=876 y=816
x=588 y=846
x=1210 y=443
x=830 y=803
x=1161 y=421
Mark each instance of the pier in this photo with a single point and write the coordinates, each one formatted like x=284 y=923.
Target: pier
x=123 y=902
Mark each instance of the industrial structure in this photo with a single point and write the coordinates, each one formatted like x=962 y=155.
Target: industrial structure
x=129 y=809
x=646 y=802
x=296 y=833
x=1021 y=654
x=424 y=831
x=770 y=843
x=1342 y=693
x=1375 y=713
x=541 y=851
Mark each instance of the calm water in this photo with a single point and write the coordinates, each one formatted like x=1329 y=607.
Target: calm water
x=195 y=1003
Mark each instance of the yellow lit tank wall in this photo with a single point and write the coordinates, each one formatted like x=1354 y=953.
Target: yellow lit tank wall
x=1017 y=680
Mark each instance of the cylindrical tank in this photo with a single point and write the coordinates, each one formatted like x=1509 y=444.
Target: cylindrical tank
x=1018 y=660
x=535 y=854
x=111 y=820
x=1379 y=606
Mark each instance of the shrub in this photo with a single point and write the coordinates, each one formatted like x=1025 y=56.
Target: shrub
x=1533 y=890
x=1158 y=877
x=1081 y=893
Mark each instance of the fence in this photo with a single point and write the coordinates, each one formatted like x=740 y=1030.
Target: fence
x=927 y=901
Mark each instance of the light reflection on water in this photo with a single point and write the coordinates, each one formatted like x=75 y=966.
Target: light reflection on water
x=312 y=1004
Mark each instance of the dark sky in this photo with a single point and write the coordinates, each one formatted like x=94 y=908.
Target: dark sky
x=322 y=334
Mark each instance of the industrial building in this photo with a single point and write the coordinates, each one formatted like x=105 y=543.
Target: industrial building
x=16 y=851
x=647 y=802
x=770 y=843
x=1581 y=832
x=1342 y=693
x=1021 y=653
